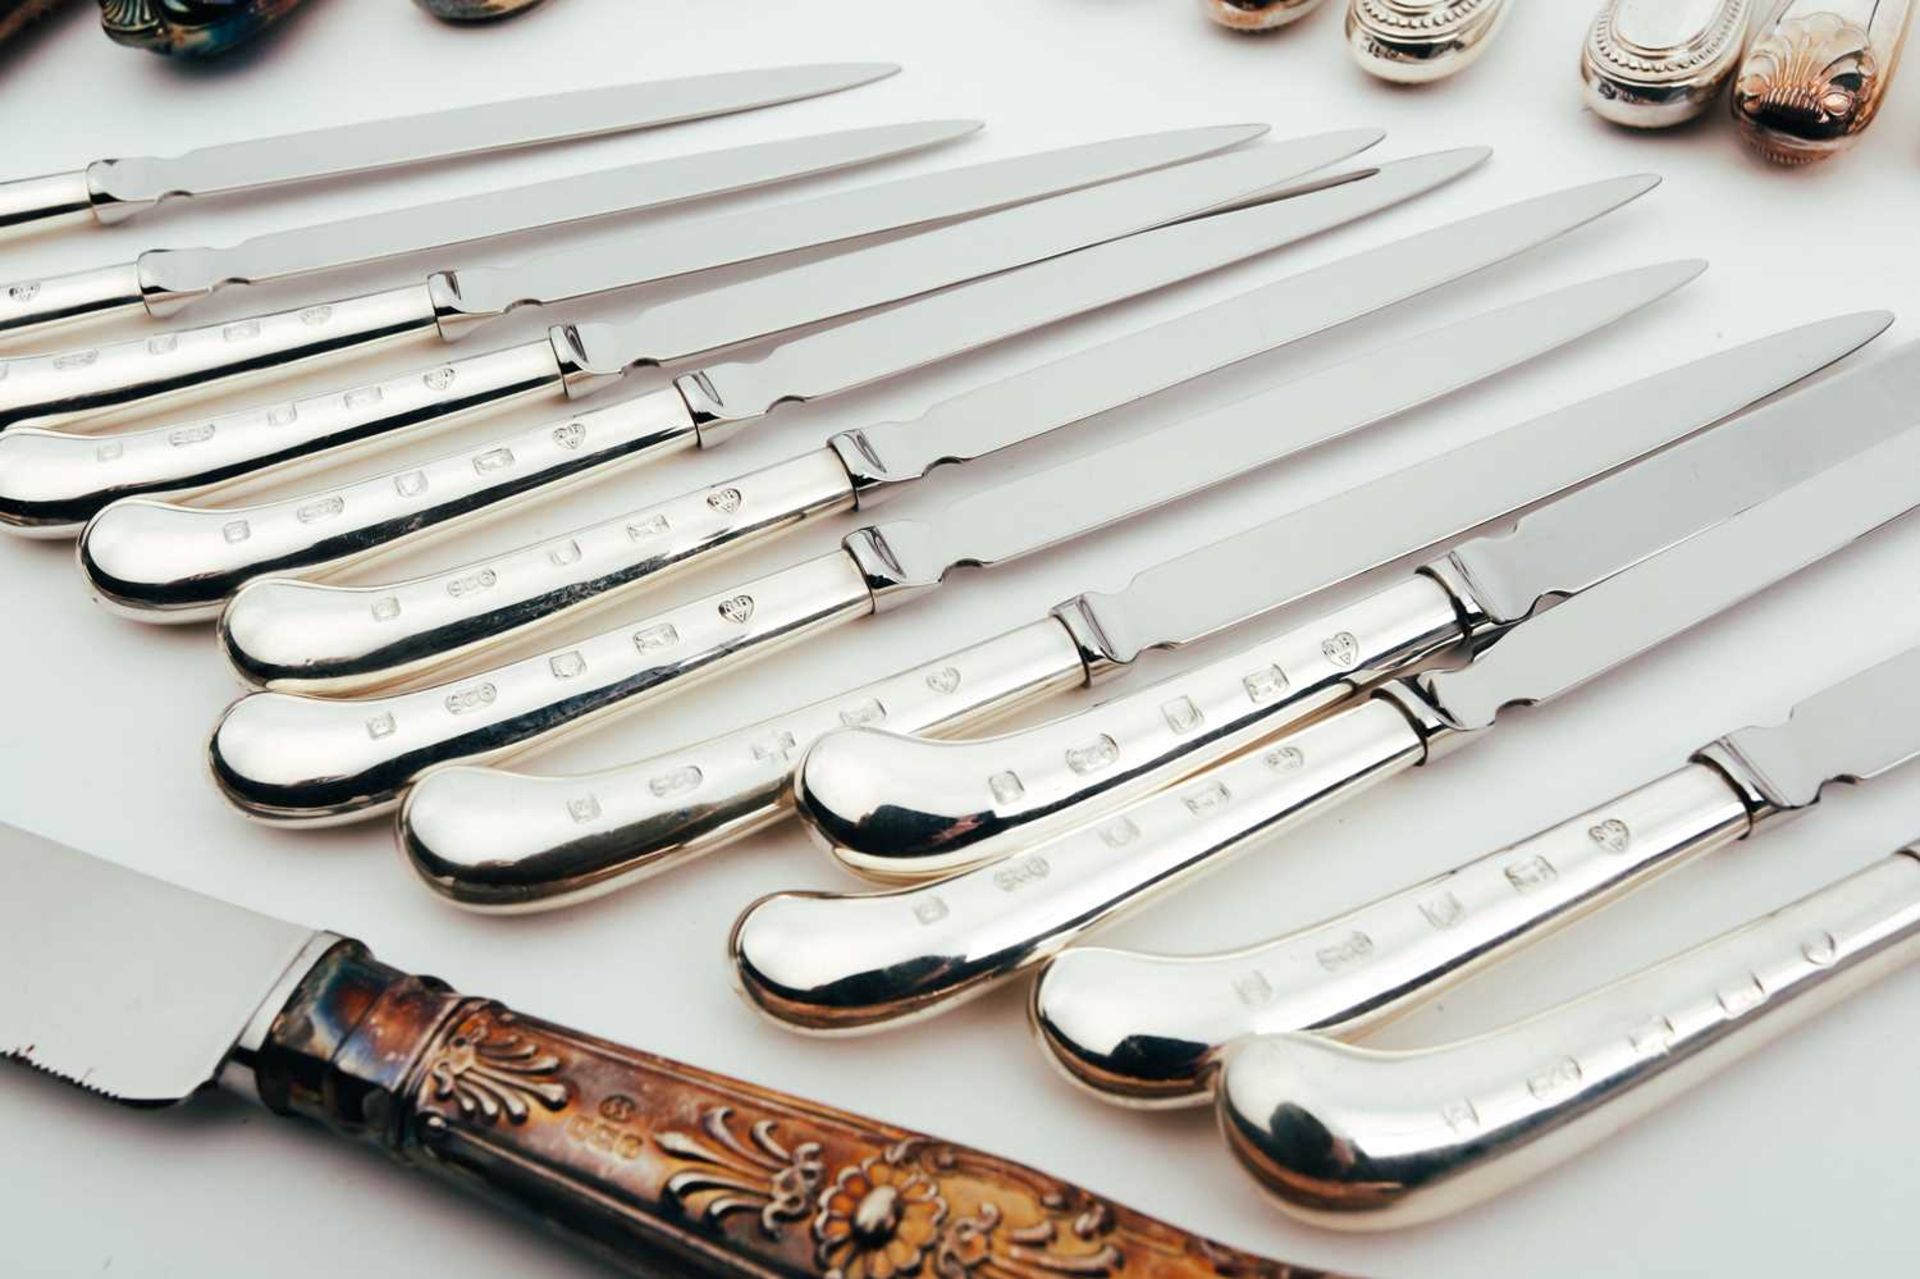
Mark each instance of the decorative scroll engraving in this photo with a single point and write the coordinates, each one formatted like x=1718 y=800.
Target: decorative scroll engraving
x=757 y=1174
x=491 y=1069
x=1813 y=78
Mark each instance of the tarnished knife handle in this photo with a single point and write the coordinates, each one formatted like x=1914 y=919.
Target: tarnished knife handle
x=1357 y=1139
x=1148 y=1030
x=666 y=1169
x=1418 y=41
x=494 y=840
x=891 y=808
x=1257 y=15
x=165 y=561
x=312 y=637
x=294 y=759
x=29 y=306
x=42 y=203
x=191 y=28
x=53 y=481
x=835 y=962
x=189 y=363
x=1815 y=75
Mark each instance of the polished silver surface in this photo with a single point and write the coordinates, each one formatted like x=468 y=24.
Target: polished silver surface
x=890 y=806
x=1816 y=75
x=1420 y=41
x=1257 y=15
x=116 y=189
x=1353 y=1138
x=87 y=382
x=166 y=280
x=1149 y=1030
x=1649 y=64
x=100 y=988
x=1623 y=616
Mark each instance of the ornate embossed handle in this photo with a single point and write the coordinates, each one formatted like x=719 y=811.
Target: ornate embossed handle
x=1650 y=64
x=1148 y=1030
x=835 y=962
x=1816 y=74
x=165 y=561
x=42 y=203
x=493 y=840
x=31 y=306
x=891 y=808
x=189 y=363
x=1419 y=41
x=312 y=637
x=672 y=1170
x=296 y=759
x=1257 y=15
x=1360 y=1139
x=53 y=481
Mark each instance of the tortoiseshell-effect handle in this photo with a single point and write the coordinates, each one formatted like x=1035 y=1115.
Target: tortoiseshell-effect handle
x=190 y=28
x=666 y=1169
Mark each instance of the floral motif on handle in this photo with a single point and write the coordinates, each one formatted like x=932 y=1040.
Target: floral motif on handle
x=729 y=1175
x=491 y=1069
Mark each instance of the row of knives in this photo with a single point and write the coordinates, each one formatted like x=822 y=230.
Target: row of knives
x=1642 y=512
x=1808 y=76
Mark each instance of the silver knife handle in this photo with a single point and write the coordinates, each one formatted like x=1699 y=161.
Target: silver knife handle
x=1650 y=64
x=1148 y=1030
x=39 y=204
x=30 y=306
x=1419 y=41
x=838 y=962
x=300 y=636
x=1816 y=74
x=189 y=363
x=494 y=840
x=169 y=562
x=1362 y=1139
x=892 y=808
x=53 y=481
x=294 y=759
x=1257 y=15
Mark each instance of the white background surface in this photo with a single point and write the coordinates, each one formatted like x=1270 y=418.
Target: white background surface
x=1799 y=1161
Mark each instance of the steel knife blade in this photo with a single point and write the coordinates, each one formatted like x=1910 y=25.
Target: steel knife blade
x=144 y=993
x=112 y=190
x=161 y=282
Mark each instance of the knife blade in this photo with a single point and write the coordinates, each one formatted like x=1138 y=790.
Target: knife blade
x=893 y=807
x=496 y=840
x=293 y=634
x=162 y=282
x=176 y=561
x=145 y=993
x=112 y=190
x=1143 y=1029
x=77 y=384
x=838 y=963
x=292 y=758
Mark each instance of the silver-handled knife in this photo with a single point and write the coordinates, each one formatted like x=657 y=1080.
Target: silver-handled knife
x=84 y=383
x=1150 y=1030
x=828 y=962
x=309 y=636
x=294 y=758
x=50 y=480
x=174 y=561
x=112 y=190
x=147 y=994
x=492 y=839
x=162 y=282
x=1420 y=41
x=1361 y=1139
x=892 y=806
x=1651 y=64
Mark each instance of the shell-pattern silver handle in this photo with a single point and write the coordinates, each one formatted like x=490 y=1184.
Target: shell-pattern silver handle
x=188 y=363
x=831 y=962
x=892 y=808
x=32 y=306
x=1148 y=1030
x=294 y=759
x=1359 y=1139
x=169 y=562
x=302 y=636
x=1257 y=15
x=494 y=840
x=1816 y=74
x=1650 y=64
x=1419 y=41
x=42 y=203
x=53 y=481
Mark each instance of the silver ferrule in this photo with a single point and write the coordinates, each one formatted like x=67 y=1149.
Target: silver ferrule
x=1765 y=800
x=899 y=560
x=237 y=1074
x=1098 y=652
x=583 y=371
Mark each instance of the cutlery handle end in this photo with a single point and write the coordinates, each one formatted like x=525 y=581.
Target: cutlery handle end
x=39 y=204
